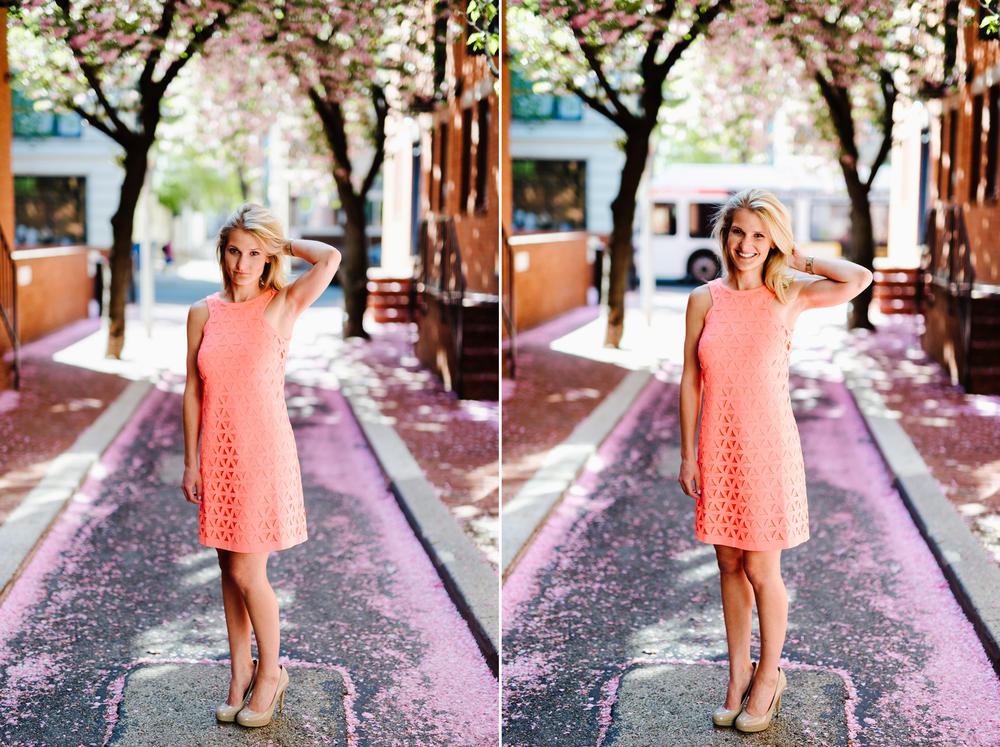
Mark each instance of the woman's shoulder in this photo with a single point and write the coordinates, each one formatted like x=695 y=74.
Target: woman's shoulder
x=198 y=313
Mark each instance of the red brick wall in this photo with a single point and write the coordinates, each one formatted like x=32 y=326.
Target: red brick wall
x=982 y=212
x=6 y=179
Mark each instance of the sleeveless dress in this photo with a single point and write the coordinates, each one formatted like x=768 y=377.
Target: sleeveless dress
x=249 y=464
x=753 y=485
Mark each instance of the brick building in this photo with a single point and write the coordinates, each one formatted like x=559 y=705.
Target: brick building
x=960 y=282
x=458 y=243
x=8 y=273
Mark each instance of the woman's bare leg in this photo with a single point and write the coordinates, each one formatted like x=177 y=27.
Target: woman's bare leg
x=763 y=568
x=249 y=573
x=239 y=629
x=737 y=606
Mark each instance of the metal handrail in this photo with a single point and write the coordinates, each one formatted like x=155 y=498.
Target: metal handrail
x=507 y=298
x=442 y=273
x=8 y=304
x=963 y=289
x=959 y=277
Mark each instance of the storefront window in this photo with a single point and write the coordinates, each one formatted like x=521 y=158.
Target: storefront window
x=550 y=195
x=50 y=210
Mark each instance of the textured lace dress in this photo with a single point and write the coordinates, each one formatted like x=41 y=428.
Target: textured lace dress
x=249 y=464
x=753 y=493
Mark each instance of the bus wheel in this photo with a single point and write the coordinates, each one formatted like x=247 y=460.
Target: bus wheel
x=704 y=265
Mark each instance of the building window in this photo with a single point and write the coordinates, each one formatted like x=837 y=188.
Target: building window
x=28 y=123
x=975 y=169
x=665 y=219
x=50 y=210
x=443 y=169
x=466 y=190
x=550 y=195
x=992 y=143
x=702 y=214
x=482 y=153
x=528 y=106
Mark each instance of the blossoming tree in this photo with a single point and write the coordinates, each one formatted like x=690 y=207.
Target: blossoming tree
x=354 y=63
x=616 y=55
x=113 y=63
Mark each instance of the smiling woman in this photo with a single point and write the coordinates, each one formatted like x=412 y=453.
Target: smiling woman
x=746 y=473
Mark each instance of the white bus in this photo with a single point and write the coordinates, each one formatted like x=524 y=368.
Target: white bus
x=682 y=200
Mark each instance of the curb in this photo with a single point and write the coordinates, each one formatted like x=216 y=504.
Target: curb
x=523 y=516
x=28 y=524
x=972 y=575
x=468 y=577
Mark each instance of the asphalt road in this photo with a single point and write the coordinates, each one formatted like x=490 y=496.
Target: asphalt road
x=115 y=632
x=613 y=631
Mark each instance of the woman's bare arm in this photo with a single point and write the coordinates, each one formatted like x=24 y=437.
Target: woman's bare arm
x=309 y=286
x=191 y=483
x=838 y=281
x=699 y=302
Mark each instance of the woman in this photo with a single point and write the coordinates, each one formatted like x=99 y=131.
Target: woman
x=247 y=485
x=747 y=474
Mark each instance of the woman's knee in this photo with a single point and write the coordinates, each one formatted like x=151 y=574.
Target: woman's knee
x=762 y=570
x=730 y=559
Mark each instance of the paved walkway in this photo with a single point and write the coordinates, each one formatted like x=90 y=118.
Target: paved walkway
x=613 y=629
x=114 y=633
x=115 y=630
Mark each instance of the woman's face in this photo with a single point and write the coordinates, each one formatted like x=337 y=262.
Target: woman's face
x=748 y=242
x=245 y=259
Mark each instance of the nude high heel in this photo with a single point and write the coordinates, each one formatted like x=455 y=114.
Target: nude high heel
x=227 y=712
x=246 y=717
x=723 y=716
x=748 y=723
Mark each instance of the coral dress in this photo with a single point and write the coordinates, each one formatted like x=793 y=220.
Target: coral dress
x=249 y=464
x=753 y=485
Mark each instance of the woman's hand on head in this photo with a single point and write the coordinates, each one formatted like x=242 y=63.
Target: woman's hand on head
x=191 y=484
x=690 y=478
x=796 y=259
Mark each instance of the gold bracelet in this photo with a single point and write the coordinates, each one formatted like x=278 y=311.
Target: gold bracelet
x=809 y=264
x=288 y=248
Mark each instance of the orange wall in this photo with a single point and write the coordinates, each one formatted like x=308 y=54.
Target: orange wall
x=556 y=278
x=6 y=179
x=6 y=133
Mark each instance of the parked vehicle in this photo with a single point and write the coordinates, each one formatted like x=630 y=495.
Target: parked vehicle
x=682 y=201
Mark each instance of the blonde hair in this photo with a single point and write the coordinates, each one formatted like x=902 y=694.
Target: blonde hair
x=266 y=228
x=775 y=217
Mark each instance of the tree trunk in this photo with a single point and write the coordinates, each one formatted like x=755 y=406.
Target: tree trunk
x=862 y=244
x=354 y=266
x=623 y=216
x=121 y=248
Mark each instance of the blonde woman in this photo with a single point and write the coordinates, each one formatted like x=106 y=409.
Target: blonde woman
x=746 y=472
x=244 y=475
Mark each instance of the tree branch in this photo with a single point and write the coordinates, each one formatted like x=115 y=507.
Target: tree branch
x=381 y=112
x=96 y=122
x=889 y=97
x=599 y=106
x=700 y=24
x=95 y=84
x=590 y=53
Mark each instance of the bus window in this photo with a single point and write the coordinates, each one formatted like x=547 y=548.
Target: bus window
x=664 y=219
x=830 y=223
x=702 y=214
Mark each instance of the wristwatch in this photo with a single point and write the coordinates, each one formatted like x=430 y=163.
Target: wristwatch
x=288 y=248
x=809 y=264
